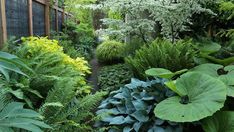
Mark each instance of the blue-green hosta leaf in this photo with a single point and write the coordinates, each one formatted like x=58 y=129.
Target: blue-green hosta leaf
x=118 y=120
x=137 y=126
x=219 y=122
x=139 y=104
x=127 y=129
x=141 y=115
x=203 y=95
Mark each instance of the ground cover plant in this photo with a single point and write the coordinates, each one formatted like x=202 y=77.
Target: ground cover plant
x=113 y=77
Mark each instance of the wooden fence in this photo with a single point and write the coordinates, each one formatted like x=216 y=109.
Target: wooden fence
x=29 y=17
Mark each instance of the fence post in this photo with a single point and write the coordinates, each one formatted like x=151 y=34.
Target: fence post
x=47 y=17
x=30 y=18
x=3 y=23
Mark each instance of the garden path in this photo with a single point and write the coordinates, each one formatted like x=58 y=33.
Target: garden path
x=93 y=79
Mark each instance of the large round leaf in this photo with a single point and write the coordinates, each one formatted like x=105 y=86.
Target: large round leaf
x=219 y=122
x=203 y=95
x=225 y=74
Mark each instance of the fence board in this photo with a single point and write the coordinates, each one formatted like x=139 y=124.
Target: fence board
x=17 y=18
x=52 y=19
x=60 y=21
x=29 y=17
x=38 y=19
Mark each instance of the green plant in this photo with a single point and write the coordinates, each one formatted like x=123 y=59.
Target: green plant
x=9 y=62
x=219 y=122
x=110 y=52
x=78 y=115
x=200 y=96
x=210 y=51
x=113 y=77
x=209 y=82
x=225 y=74
x=58 y=78
x=131 y=108
x=162 y=54
x=13 y=115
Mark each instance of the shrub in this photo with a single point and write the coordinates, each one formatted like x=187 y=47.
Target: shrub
x=112 y=77
x=110 y=52
x=162 y=54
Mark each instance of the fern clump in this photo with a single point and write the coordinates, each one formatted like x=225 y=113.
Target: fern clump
x=162 y=54
x=110 y=52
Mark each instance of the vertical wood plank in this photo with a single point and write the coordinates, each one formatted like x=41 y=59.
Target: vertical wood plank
x=47 y=18
x=56 y=20
x=30 y=18
x=3 y=23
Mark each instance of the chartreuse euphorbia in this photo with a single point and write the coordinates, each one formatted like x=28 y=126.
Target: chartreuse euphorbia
x=45 y=45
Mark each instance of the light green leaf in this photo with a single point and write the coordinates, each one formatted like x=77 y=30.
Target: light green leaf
x=171 y=85
x=219 y=122
x=163 y=73
x=203 y=95
x=225 y=74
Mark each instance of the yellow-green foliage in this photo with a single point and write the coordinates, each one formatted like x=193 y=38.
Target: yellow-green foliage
x=35 y=45
x=47 y=59
x=110 y=51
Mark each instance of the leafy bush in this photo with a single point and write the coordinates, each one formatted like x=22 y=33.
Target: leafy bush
x=131 y=108
x=82 y=37
x=162 y=54
x=58 y=79
x=110 y=52
x=113 y=77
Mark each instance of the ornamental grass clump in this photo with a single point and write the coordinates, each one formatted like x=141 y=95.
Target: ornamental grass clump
x=110 y=52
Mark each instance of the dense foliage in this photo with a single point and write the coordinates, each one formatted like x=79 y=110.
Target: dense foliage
x=113 y=77
x=131 y=108
x=110 y=52
x=162 y=54
x=55 y=86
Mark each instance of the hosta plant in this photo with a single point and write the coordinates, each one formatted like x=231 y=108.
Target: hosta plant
x=131 y=108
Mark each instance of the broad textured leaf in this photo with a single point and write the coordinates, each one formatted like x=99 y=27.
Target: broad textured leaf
x=203 y=95
x=219 y=122
x=141 y=115
x=15 y=116
x=210 y=48
x=225 y=74
x=117 y=120
x=210 y=69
